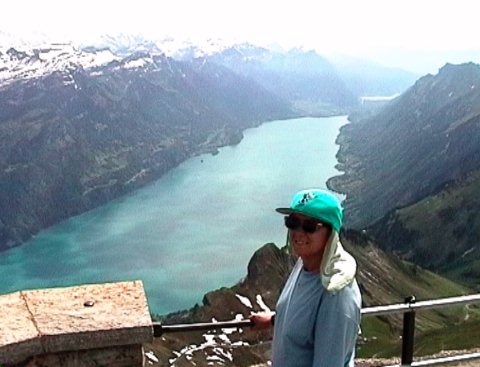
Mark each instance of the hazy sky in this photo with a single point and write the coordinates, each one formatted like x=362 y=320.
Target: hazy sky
x=407 y=32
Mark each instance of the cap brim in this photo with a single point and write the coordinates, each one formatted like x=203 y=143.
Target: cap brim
x=284 y=210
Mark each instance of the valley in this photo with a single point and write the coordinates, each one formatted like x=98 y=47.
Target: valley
x=84 y=127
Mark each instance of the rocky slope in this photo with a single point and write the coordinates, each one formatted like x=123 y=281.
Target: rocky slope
x=383 y=279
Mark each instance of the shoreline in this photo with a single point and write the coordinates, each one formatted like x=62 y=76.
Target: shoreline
x=285 y=133
x=145 y=177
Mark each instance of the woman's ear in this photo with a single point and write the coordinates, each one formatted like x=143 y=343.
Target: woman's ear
x=330 y=231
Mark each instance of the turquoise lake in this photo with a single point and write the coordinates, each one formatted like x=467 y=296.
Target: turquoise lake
x=193 y=230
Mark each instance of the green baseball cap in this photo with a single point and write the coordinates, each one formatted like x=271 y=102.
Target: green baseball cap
x=318 y=204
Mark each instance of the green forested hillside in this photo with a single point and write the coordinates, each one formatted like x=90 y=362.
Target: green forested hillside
x=386 y=279
x=440 y=232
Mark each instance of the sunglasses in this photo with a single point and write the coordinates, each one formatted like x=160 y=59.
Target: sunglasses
x=308 y=225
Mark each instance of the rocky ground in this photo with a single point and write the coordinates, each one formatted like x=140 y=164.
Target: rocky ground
x=380 y=362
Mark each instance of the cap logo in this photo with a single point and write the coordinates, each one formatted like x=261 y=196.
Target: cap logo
x=306 y=198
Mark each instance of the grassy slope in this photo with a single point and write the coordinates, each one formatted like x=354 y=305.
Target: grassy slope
x=447 y=227
x=387 y=280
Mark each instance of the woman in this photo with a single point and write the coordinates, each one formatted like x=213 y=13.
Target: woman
x=318 y=312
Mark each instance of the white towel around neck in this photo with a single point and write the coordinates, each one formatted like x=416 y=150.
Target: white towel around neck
x=338 y=267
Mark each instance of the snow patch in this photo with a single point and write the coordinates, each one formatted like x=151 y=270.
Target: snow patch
x=216 y=347
x=228 y=331
x=34 y=63
x=262 y=304
x=139 y=63
x=244 y=300
x=469 y=251
x=151 y=357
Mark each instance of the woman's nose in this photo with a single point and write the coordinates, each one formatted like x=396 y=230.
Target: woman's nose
x=299 y=233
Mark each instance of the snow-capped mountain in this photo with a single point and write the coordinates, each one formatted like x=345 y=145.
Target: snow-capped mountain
x=16 y=64
x=27 y=58
x=89 y=126
x=177 y=48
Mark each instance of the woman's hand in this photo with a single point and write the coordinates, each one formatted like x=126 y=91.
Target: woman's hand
x=261 y=320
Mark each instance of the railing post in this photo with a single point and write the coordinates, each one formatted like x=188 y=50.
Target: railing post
x=408 y=334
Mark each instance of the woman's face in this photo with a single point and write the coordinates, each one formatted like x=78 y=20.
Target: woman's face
x=309 y=246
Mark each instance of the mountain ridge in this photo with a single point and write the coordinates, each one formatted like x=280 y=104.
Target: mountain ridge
x=92 y=134
x=411 y=172
x=399 y=134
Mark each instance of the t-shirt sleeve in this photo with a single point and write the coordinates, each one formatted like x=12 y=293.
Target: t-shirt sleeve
x=336 y=331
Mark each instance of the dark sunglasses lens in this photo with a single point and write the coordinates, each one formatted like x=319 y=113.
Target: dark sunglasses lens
x=292 y=222
x=309 y=226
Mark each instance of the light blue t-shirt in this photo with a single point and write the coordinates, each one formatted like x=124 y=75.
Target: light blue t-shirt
x=315 y=328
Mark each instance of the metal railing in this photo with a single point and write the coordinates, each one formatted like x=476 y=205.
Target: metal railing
x=408 y=308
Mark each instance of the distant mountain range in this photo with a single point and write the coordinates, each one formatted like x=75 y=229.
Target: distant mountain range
x=365 y=78
x=306 y=79
x=412 y=172
x=315 y=84
x=82 y=126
